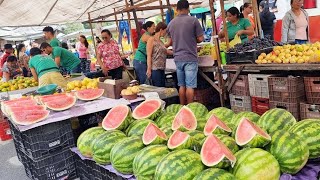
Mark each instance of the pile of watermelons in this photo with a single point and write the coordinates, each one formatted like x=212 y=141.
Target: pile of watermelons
x=188 y=142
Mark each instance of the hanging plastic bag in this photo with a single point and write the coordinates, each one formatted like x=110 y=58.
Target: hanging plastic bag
x=236 y=40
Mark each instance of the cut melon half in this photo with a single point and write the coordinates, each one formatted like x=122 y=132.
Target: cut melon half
x=89 y=94
x=153 y=135
x=5 y=106
x=213 y=124
x=249 y=133
x=179 y=140
x=117 y=118
x=47 y=98
x=29 y=117
x=213 y=151
x=23 y=107
x=149 y=109
x=62 y=103
x=184 y=120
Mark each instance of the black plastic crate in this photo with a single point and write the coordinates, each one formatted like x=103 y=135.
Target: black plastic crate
x=248 y=57
x=84 y=168
x=107 y=175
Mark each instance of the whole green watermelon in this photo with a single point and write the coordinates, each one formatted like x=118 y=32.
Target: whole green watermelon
x=198 y=109
x=165 y=120
x=84 y=142
x=276 y=119
x=137 y=127
x=103 y=144
x=146 y=161
x=309 y=131
x=123 y=153
x=255 y=163
x=180 y=164
x=201 y=123
x=290 y=150
x=173 y=108
x=214 y=174
x=224 y=114
x=250 y=115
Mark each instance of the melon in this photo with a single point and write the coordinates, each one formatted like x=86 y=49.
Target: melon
x=28 y=117
x=173 y=108
x=47 y=98
x=149 y=109
x=201 y=123
x=250 y=135
x=61 y=104
x=86 y=139
x=23 y=107
x=16 y=102
x=137 y=127
x=119 y=117
x=222 y=113
x=153 y=135
x=180 y=140
x=165 y=120
x=198 y=109
x=89 y=94
x=213 y=152
x=216 y=126
x=184 y=120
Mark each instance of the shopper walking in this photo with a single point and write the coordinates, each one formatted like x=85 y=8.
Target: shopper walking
x=82 y=48
x=23 y=60
x=267 y=20
x=295 y=24
x=185 y=32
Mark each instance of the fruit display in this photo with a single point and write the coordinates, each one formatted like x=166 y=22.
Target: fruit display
x=214 y=173
x=153 y=135
x=86 y=83
x=149 y=109
x=305 y=53
x=18 y=84
x=198 y=109
x=180 y=140
x=184 y=120
x=205 y=50
x=255 y=44
x=118 y=118
x=89 y=94
x=131 y=90
x=84 y=142
x=215 y=126
x=61 y=103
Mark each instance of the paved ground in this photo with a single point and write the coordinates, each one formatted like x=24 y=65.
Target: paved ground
x=10 y=166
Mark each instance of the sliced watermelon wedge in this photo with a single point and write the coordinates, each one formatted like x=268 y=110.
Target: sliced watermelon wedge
x=185 y=120
x=250 y=134
x=61 y=103
x=23 y=107
x=48 y=98
x=213 y=151
x=180 y=140
x=149 y=109
x=117 y=118
x=153 y=135
x=214 y=124
x=25 y=102
x=29 y=117
x=89 y=94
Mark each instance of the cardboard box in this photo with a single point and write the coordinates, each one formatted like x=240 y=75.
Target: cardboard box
x=113 y=88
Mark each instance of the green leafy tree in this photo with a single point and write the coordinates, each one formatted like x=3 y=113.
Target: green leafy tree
x=72 y=27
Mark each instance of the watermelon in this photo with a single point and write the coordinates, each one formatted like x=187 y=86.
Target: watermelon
x=103 y=144
x=181 y=164
x=28 y=117
x=119 y=117
x=214 y=174
x=276 y=119
x=23 y=107
x=165 y=120
x=216 y=126
x=137 y=127
x=250 y=135
x=180 y=140
x=249 y=115
x=198 y=109
x=201 y=124
x=146 y=161
x=123 y=153
x=224 y=114
x=149 y=109
x=16 y=102
x=290 y=150
x=197 y=139
x=167 y=130
x=84 y=142
x=47 y=98
x=255 y=163
x=89 y=94
x=213 y=152
x=61 y=104
x=173 y=108
x=184 y=120
x=153 y=135
x=308 y=130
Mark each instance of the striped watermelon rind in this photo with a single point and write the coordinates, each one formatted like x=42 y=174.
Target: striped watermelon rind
x=123 y=153
x=309 y=131
x=180 y=164
x=201 y=123
x=197 y=138
x=214 y=174
x=255 y=163
x=173 y=108
x=125 y=121
x=222 y=113
x=158 y=136
x=146 y=161
x=187 y=143
x=85 y=140
x=232 y=146
x=165 y=120
x=137 y=127
x=198 y=109
x=249 y=115
x=290 y=150
x=155 y=104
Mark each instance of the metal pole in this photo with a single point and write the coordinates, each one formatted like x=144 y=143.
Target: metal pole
x=161 y=10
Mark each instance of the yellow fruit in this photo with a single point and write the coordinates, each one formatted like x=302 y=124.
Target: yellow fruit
x=288 y=56
x=77 y=83
x=277 y=52
x=300 y=61
x=285 y=61
x=293 y=61
x=4 y=90
x=83 y=87
x=76 y=89
x=135 y=89
x=260 y=57
x=263 y=55
x=264 y=61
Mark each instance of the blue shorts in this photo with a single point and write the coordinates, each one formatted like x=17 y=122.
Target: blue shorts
x=187 y=73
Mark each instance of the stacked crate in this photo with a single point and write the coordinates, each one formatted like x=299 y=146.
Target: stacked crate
x=259 y=92
x=5 y=133
x=239 y=95
x=287 y=93
x=311 y=108
x=45 y=151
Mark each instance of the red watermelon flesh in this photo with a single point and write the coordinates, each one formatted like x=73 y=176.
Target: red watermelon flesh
x=89 y=94
x=177 y=138
x=115 y=117
x=48 y=98
x=185 y=119
x=213 y=151
x=29 y=117
x=213 y=123
x=62 y=103
x=247 y=130
x=151 y=133
x=4 y=106
x=146 y=109
x=24 y=107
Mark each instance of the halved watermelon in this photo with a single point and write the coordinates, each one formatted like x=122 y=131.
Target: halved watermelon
x=180 y=140
x=149 y=109
x=29 y=117
x=153 y=135
x=4 y=107
x=216 y=126
x=47 y=98
x=89 y=94
x=249 y=134
x=61 y=104
x=23 y=107
x=119 y=117
x=213 y=152
x=184 y=120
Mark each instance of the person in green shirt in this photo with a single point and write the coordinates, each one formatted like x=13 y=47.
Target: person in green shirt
x=62 y=57
x=49 y=35
x=45 y=70
x=237 y=26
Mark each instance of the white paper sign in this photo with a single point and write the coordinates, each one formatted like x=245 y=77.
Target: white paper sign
x=150 y=95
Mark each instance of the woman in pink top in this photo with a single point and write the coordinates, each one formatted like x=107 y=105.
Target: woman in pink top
x=83 y=50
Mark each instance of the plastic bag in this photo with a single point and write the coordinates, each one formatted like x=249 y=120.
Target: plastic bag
x=236 y=40
x=149 y=82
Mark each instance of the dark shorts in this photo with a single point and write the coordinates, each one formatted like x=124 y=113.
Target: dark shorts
x=187 y=73
x=158 y=78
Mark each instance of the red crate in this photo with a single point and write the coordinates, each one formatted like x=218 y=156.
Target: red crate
x=241 y=86
x=5 y=133
x=309 y=111
x=312 y=87
x=293 y=108
x=259 y=105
